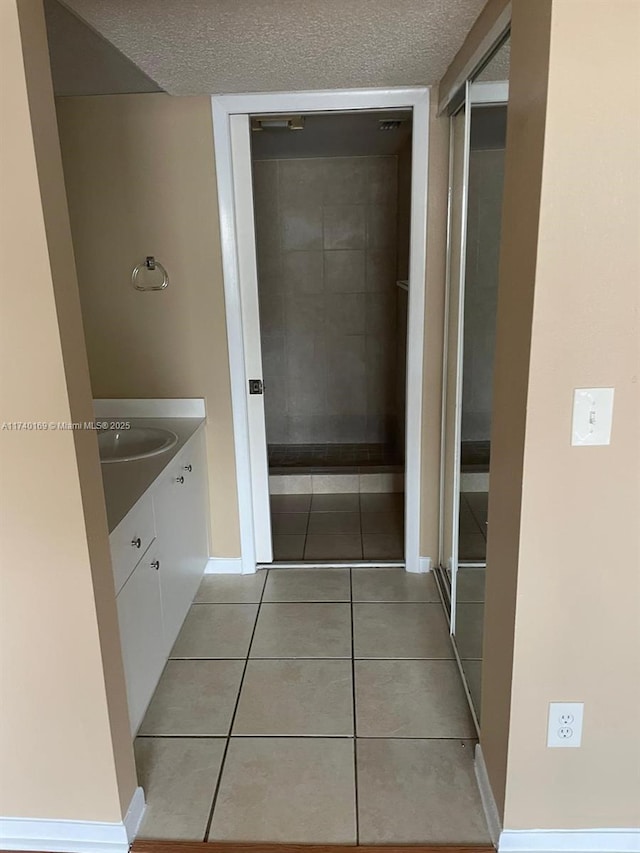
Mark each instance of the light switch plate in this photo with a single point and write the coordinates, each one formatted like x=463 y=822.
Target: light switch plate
x=592 y=416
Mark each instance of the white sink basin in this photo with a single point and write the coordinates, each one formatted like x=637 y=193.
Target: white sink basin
x=125 y=445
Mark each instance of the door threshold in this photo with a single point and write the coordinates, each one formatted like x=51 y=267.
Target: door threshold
x=332 y=564
x=222 y=847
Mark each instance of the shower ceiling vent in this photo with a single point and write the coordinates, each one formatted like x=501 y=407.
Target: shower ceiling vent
x=390 y=123
x=277 y=122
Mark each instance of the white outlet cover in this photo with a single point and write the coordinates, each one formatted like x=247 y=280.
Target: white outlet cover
x=592 y=416
x=564 y=729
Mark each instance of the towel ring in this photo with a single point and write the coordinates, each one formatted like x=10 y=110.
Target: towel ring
x=150 y=263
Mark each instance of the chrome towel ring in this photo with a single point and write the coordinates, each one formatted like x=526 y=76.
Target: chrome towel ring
x=150 y=263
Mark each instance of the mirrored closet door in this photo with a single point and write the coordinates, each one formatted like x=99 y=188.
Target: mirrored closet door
x=478 y=140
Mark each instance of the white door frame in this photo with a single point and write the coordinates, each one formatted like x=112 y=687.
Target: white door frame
x=224 y=108
x=448 y=558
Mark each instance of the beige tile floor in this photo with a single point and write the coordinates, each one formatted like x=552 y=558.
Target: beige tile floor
x=338 y=527
x=312 y=706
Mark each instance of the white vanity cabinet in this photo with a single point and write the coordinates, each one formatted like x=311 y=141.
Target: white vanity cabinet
x=179 y=498
x=142 y=634
x=170 y=521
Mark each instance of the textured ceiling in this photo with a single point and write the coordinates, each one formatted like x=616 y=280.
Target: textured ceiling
x=334 y=135
x=84 y=63
x=218 y=46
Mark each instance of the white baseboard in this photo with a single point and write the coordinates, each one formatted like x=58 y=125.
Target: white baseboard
x=223 y=566
x=425 y=565
x=569 y=841
x=135 y=813
x=491 y=813
x=73 y=836
x=548 y=840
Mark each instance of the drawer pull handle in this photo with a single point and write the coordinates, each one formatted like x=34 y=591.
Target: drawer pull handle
x=188 y=467
x=155 y=564
x=136 y=543
x=180 y=479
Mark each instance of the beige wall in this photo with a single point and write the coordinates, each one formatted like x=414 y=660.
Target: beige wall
x=563 y=593
x=65 y=744
x=140 y=177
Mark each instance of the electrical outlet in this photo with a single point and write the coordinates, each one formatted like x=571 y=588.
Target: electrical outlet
x=565 y=724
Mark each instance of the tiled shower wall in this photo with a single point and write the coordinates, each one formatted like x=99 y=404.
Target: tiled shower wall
x=326 y=231
x=404 y=237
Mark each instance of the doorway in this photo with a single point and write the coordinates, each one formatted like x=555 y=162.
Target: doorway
x=331 y=195
x=243 y=270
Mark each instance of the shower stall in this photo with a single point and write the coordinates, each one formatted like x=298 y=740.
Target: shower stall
x=331 y=202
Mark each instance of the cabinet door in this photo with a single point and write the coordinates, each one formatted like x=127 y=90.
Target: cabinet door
x=181 y=506
x=141 y=634
x=196 y=511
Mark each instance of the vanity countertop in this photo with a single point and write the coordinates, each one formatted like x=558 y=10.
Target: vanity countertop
x=126 y=482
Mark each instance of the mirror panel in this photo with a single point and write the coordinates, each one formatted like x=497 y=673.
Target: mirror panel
x=484 y=219
x=478 y=141
x=498 y=66
x=452 y=412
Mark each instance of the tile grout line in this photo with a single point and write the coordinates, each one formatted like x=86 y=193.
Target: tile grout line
x=216 y=790
x=330 y=600
x=324 y=657
x=353 y=698
x=308 y=737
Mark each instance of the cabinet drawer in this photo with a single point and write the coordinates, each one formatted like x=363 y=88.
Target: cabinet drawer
x=130 y=540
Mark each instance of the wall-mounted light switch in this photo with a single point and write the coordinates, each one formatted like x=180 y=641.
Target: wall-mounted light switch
x=592 y=416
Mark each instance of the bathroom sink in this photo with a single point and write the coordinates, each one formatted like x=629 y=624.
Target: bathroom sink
x=125 y=445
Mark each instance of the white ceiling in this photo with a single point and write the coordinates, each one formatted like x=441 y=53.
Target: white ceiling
x=216 y=46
